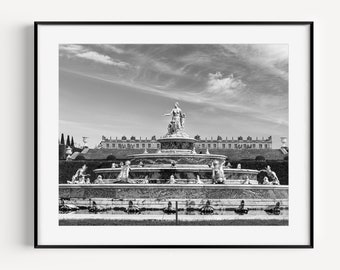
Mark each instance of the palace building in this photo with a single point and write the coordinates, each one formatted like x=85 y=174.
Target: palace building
x=218 y=143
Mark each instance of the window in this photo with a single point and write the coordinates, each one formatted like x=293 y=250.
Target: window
x=149 y=145
x=215 y=145
x=119 y=145
x=113 y=145
x=229 y=145
x=143 y=145
x=223 y=145
x=260 y=146
x=235 y=145
x=137 y=145
x=254 y=145
x=265 y=146
x=203 y=145
x=107 y=145
x=209 y=145
x=244 y=146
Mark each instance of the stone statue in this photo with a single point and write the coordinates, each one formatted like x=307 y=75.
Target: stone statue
x=266 y=181
x=198 y=180
x=182 y=120
x=124 y=173
x=172 y=180
x=217 y=172
x=246 y=181
x=145 y=180
x=79 y=176
x=177 y=119
x=271 y=176
x=99 y=180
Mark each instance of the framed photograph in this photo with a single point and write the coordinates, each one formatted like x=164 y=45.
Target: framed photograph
x=174 y=134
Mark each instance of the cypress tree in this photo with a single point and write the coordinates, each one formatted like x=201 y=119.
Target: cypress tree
x=72 y=142
x=68 y=140
x=62 y=140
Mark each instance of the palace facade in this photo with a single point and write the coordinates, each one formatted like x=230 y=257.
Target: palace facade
x=218 y=143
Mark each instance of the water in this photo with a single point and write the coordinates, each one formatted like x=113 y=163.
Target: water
x=183 y=212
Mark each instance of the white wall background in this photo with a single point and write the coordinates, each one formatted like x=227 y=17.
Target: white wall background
x=16 y=112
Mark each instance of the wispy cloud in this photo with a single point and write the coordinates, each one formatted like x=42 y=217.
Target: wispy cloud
x=82 y=52
x=103 y=59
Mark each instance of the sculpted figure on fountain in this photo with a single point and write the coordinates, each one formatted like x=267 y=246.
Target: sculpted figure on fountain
x=79 y=176
x=124 y=173
x=176 y=125
x=217 y=172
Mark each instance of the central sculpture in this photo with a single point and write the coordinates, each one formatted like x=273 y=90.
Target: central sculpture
x=176 y=125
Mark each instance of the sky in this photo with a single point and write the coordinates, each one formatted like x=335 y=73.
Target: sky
x=229 y=90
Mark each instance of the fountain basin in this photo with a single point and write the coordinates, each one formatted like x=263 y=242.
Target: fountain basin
x=182 y=173
x=179 y=157
x=156 y=196
x=173 y=191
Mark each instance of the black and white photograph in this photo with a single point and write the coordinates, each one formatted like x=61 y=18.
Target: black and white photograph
x=173 y=134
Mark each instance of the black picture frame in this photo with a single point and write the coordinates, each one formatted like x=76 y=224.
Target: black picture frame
x=256 y=23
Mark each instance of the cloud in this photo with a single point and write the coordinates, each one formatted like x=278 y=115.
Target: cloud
x=270 y=58
x=114 y=48
x=101 y=58
x=217 y=84
x=71 y=48
x=74 y=50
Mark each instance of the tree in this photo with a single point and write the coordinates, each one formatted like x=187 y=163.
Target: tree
x=124 y=138
x=133 y=138
x=219 y=138
x=62 y=140
x=260 y=158
x=72 y=142
x=68 y=140
x=153 y=137
x=197 y=137
x=110 y=157
x=80 y=157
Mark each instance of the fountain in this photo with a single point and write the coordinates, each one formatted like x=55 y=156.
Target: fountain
x=177 y=157
x=176 y=172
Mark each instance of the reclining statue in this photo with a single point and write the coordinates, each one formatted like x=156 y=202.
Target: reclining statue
x=79 y=176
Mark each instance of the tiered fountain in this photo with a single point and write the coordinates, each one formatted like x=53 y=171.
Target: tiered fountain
x=176 y=172
x=177 y=157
